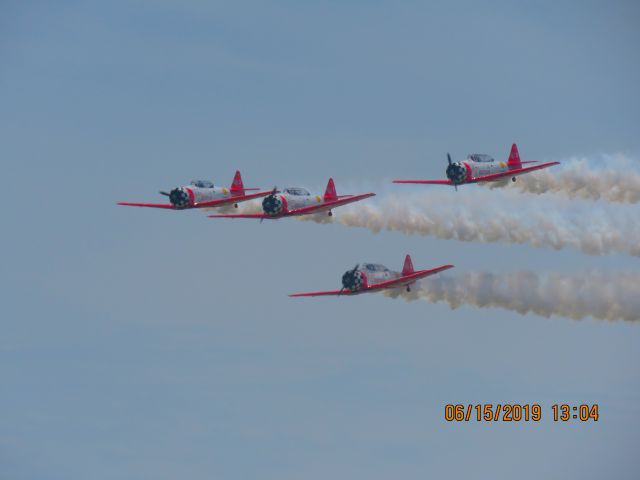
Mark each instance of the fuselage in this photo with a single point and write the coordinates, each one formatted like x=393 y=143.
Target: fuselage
x=197 y=192
x=367 y=274
x=290 y=198
x=476 y=165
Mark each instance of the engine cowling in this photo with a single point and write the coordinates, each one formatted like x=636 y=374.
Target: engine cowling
x=354 y=280
x=457 y=172
x=274 y=205
x=180 y=198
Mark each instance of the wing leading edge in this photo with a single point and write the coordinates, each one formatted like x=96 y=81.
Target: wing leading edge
x=329 y=205
x=408 y=279
x=425 y=182
x=211 y=203
x=511 y=173
x=167 y=206
x=402 y=281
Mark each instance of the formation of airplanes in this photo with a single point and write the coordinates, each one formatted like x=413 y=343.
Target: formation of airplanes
x=296 y=201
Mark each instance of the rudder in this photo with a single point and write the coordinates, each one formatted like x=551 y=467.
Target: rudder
x=514 y=158
x=330 y=191
x=407 y=268
x=237 y=186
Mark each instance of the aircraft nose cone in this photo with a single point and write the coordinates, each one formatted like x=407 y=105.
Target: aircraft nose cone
x=456 y=172
x=352 y=280
x=272 y=205
x=179 y=198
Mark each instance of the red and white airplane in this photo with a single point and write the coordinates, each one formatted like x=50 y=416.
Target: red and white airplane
x=203 y=194
x=479 y=167
x=371 y=277
x=295 y=201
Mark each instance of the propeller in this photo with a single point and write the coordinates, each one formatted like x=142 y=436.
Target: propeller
x=452 y=169
x=349 y=273
x=455 y=185
x=164 y=193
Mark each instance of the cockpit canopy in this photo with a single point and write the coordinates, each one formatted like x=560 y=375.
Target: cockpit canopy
x=374 y=267
x=202 y=183
x=480 y=157
x=300 y=192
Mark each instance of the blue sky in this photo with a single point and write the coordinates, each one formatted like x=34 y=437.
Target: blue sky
x=152 y=344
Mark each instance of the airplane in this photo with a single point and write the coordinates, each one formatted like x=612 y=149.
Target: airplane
x=479 y=167
x=203 y=194
x=294 y=201
x=371 y=277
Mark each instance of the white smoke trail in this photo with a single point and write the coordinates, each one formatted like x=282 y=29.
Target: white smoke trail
x=498 y=216
x=501 y=216
x=594 y=294
x=614 y=178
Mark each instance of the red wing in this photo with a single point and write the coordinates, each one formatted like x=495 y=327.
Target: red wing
x=407 y=279
x=242 y=215
x=168 y=206
x=511 y=173
x=319 y=294
x=426 y=182
x=328 y=205
x=230 y=200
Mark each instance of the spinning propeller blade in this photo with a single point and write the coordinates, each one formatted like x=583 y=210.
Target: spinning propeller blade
x=455 y=185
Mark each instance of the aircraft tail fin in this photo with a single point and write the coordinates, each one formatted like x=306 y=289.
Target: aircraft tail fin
x=330 y=192
x=514 y=158
x=237 y=186
x=407 y=268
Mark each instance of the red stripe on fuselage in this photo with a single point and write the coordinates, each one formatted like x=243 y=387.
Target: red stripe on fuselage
x=365 y=281
x=469 y=171
x=192 y=197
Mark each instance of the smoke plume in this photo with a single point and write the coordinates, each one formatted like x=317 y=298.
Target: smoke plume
x=603 y=296
x=499 y=216
x=614 y=178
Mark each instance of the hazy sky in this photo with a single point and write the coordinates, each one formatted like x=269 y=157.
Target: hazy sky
x=152 y=344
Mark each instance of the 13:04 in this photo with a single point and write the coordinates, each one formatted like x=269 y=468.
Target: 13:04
x=584 y=413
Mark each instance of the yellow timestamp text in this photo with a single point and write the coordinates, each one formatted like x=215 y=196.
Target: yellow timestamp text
x=516 y=412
